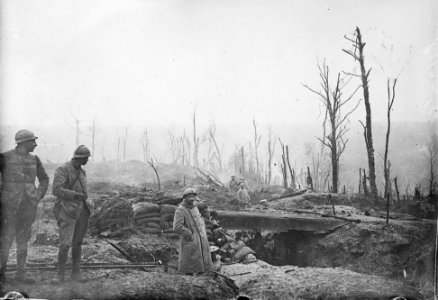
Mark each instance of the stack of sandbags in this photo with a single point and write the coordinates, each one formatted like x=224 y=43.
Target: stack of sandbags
x=113 y=214
x=147 y=217
x=153 y=218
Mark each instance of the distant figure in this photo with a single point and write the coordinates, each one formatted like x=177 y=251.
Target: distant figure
x=194 y=253
x=234 y=185
x=242 y=194
x=19 y=200
x=72 y=210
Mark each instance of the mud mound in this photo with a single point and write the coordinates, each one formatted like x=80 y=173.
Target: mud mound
x=120 y=284
x=262 y=281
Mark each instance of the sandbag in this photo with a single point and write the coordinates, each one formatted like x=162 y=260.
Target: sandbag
x=164 y=225
x=242 y=253
x=167 y=217
x=167 y=209
x=236 y=246
x=170 y=235
x=152 y=225
x=150 y=230
x=147 y=215
x=144 y=222
x=145 y=207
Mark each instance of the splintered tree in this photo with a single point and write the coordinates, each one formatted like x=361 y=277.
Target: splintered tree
x=195 y=142
x=213 y=142
x=431 y=157
x=155 y=168
x=92 y=132
x=257 y=138
x=283 y=165
x=333 y=102
x=145 y=145
x=271 y=152
x=357 y=54
x=386 y=163
x=125 y=138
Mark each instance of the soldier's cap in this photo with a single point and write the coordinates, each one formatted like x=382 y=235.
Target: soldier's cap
x=189 y=191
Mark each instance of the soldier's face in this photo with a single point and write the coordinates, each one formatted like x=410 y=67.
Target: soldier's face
x=83 y=161
x=30 y=145
x=189 y=199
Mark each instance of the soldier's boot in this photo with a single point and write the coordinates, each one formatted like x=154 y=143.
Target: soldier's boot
x=62 y=261
x=76 y=253
x=21 y=275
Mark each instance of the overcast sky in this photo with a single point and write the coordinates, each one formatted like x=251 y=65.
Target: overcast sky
x=150 y=62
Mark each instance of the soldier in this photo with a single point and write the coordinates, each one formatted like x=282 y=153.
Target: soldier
x=19 y=200
x=72 y=210
x=194 y=253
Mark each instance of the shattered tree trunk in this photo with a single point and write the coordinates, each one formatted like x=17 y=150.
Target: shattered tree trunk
x=365 y=188
x=360 y=181
x=396 y=189
x=292 y=172
x=386 y=164
x=283 y=165
x=359 y=46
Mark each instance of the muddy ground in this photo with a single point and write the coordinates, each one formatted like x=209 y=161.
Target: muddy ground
x=361 y=260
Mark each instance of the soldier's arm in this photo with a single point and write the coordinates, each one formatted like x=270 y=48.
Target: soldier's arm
x=59 y=181
x=43 y=179
x=178 y=225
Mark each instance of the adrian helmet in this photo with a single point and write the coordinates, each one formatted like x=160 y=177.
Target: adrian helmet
x=24 y=135
x=81 y=152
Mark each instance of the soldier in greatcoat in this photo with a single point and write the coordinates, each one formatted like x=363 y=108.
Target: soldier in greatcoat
x=19 y=200
x=194 y=252
x=72 y=210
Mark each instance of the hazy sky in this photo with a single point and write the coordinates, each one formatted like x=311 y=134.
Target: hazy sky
x=152 y=61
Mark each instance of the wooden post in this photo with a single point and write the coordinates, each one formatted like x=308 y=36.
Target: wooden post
x=333 y=204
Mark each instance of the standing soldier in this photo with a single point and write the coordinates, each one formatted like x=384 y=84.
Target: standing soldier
x=19 y=200
x=194 y=252
x=72 y=210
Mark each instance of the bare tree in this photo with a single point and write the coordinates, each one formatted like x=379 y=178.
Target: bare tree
x=333 y=103
x=257 y=138
x=173 y=145
x=145 y=145
x=431 y=158
x=357 y=54
x=386 y=164
x=291 y=170
x=92 y=132
x=155 y=168
x=118 y=154
x=195 y=142
x=188 y=145
x=283 y=164
x=217 y=151
x=271 y=153
x=125 y=138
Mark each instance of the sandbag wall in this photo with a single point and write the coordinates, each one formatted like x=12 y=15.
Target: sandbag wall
x=154 y=218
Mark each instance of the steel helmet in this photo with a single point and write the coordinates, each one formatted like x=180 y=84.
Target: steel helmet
x=81 y=152
x=24 y=135
x=189 y=191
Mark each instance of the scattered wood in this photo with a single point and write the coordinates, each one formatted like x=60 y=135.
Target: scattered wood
x=288 y=195
x=209 y=178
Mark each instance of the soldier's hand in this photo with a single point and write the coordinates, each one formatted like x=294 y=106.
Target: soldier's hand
x=81 y=196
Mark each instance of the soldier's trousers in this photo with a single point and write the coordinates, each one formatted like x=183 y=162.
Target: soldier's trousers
x=16 y=223
x=72 y=231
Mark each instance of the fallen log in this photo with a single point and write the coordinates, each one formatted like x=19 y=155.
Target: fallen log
x=288 y=195
x=47 y=267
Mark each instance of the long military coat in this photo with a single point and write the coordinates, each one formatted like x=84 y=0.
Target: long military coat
x=18 y=173
x=65 y=187
x=194 y=251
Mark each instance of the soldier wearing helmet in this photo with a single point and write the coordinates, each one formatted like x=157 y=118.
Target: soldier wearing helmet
x=19 y=200
x=194 y=252
x=72 y=210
